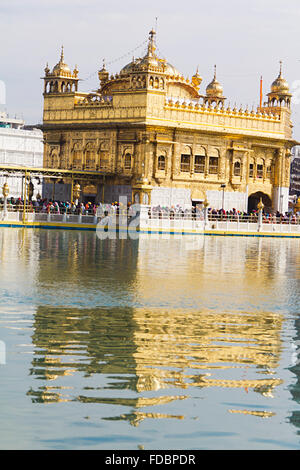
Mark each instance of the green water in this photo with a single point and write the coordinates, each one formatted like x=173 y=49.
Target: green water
x=161 y=343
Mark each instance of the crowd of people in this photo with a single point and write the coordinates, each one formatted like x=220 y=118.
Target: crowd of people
x=162 y=212
x=195 y=212
x=65 y=207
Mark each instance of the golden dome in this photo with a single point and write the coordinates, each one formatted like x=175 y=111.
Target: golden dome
x=150 y=60
x=196 y=79
x=61 y=66
x=214 y=88
x=280 y=85
x=146 y=61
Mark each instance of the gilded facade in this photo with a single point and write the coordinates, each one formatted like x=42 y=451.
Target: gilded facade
x=156 y=138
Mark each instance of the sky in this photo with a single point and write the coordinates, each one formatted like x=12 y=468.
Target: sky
x=245 y=39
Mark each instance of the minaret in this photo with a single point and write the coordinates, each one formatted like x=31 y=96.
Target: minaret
x=196 y=79
x=61 y=79
x=214 y=91
x=280 y=95
x=103 y=74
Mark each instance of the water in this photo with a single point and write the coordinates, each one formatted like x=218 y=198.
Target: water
x=161 y=343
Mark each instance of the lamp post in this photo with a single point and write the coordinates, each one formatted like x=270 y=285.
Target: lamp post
x=260 y=207
x=76 y=193
x=223 y=186
x=281 y=203
x=205 y=205
x=297 y=205
x=5 y=192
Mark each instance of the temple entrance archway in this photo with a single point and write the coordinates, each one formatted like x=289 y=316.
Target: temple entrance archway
x=254 y=199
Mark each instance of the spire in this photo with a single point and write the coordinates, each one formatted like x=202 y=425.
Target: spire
x=151 y=44
x=215 y=72
x=196 y=78
x=261 y=92
x=103 y=65
x=103 y=74
x=280 y=69
x=62 y=54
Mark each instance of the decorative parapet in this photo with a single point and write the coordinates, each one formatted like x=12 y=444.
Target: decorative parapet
x=95 y=100
x=196 y=106
x=263 y=122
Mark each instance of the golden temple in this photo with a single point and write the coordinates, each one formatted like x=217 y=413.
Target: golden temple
x=154 y=137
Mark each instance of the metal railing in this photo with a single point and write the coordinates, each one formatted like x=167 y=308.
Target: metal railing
x=41 y=210
x=166 y=214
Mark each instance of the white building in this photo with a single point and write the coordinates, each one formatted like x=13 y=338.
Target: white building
x=19 y=146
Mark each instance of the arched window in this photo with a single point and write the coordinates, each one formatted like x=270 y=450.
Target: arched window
x=185 y=163
x=127 y=161
x=90 y=157
x=269 y=171
x=259 y=171
x=213 y=162
x=77 y=157
x=213 y=165
x=54 y=160
x=161 y=164
x=199 y=164
x=237 y=169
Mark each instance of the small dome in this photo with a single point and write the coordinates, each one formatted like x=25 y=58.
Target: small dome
x=61 y=66
x=165 y=67
x=150 y=60
x=214 y=88
x=171 y=70
x=280 y=85
x=129 y=67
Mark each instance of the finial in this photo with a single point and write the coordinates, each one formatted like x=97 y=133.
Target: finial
x=62 y=54
x=151 y=45
x=215 y=72
x=280 y=68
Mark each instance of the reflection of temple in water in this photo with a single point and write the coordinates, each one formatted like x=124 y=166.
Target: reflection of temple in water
x=87 y=257
x=18 y=244
x=245 y=268
x=295 y=369
x=147 y=357
x=157 y=356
